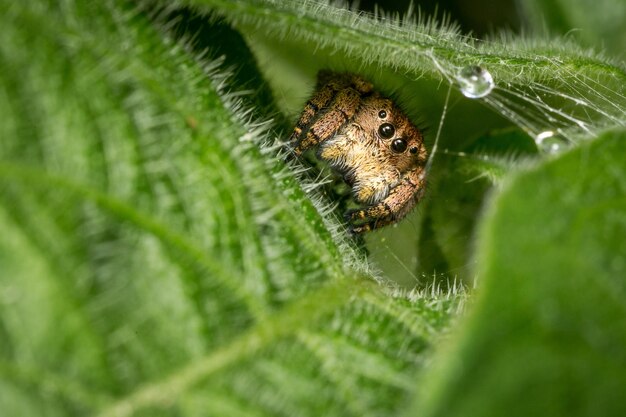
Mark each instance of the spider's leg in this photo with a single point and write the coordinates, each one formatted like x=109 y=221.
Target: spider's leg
x=396 y=206
x=318 y=102
x=340 y=111
x=328 y=85
x=371 y=225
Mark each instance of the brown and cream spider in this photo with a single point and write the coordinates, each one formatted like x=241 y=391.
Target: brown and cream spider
x=366 y=138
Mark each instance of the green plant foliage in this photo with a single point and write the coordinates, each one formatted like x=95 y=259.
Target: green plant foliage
x=541 y=85
x=547 y=332
x=158 y=256
x=402 y=45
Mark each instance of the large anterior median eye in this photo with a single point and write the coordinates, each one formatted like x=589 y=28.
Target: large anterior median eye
x=386 y=130
x=399 y=145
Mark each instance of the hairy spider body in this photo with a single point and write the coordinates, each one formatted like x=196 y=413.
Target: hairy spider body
x=365 y=137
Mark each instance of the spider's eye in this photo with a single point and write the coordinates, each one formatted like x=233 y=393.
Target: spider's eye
x=386 y=130
x=399 y=145
x=382 y=114
x=413 y=150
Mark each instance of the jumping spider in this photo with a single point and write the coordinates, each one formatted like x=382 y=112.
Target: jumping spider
x=366 y=138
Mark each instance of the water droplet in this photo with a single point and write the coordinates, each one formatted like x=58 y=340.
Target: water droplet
x=550 y=142
x=475 y=81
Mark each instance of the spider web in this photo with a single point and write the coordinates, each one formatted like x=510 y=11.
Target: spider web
x=557 y=112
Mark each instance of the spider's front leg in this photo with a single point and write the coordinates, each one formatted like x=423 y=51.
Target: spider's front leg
x=337 y=99
x=393 y=208
x=341 y=110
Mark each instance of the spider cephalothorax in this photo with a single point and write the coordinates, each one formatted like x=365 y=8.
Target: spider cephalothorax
x=369 y=140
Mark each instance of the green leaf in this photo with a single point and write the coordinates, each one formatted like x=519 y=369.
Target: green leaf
x=410 y=57
x=547 y=332
x=157 y=257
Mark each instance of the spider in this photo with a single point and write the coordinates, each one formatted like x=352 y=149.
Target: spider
x=367 y=139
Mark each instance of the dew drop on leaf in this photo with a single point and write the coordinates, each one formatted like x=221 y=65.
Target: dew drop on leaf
x=550 y=142
x=475 y=81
